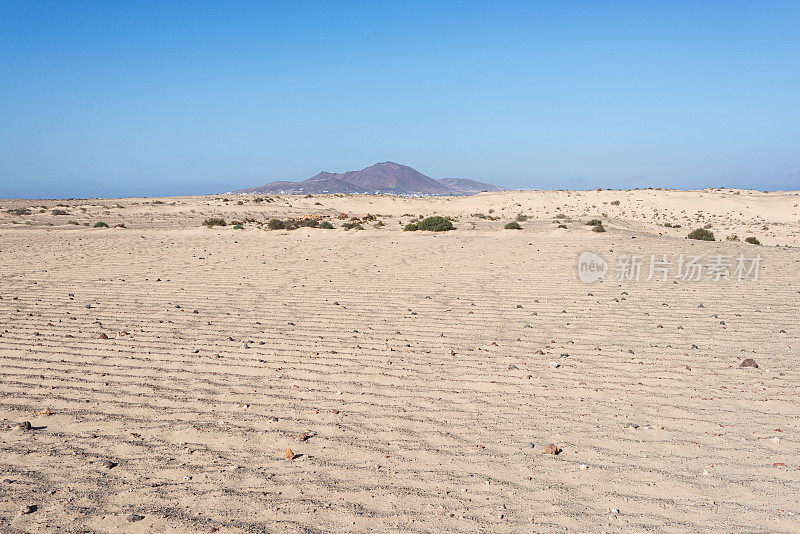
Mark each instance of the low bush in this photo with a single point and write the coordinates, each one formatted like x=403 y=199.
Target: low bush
x=276 y=224
x=214 y=221
x=19 y=211
x=594 y=222
x=325 y=225
x=352 y=226
x=100 y=224
x=435 y=224
x=59 y=212
x=752 y=240
x=599 y=228
x=411 y=227
x=238 y=227
x=701 y=234
x=513 y=225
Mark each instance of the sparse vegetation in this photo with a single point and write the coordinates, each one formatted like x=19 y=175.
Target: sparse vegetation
x=752 y=240
x=513 y=225
x=214 y=221
x=19 y=211
x=59 y=212
x=564 y=226
x=701 y=234
x=594 y=222
x=435 y=224
x=276 y=224
x=325 y=225
x=599 y=228
x=100 y=224
x=238 y=227
x=352 y=226
x=522 y=217
x=410 y=227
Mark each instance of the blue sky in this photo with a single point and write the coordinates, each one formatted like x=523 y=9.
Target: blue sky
x=170 y=98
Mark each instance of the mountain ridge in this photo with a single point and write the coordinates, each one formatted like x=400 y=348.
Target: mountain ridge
x=385 y=177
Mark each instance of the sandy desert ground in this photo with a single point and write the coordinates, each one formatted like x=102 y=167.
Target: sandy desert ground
x=165 y=367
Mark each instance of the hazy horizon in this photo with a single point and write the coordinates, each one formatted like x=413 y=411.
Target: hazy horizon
x=112 y=100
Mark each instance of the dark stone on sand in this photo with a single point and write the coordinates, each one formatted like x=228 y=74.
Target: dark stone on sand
x=749 y=362
x=133 y=518
x=25 y=425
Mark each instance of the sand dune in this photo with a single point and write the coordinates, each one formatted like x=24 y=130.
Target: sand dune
x=165 y=367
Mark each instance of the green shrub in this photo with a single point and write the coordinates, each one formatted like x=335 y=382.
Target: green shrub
x=276 y=224
x=594 y=222
x=752 y=240
x=435 y=224
x=352 y=226
x=513 y=225
x=599 y=228
x=411 y=227
x=521 y=217
x=58 y=212
x=19 y=211
x=564 y=226
x=325 y=225
x=238 y=227
x=214 y=221
x=100 y=224
x=309 y=223
x=702 y=234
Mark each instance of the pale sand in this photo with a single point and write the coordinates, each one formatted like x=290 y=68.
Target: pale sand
x=407 y=357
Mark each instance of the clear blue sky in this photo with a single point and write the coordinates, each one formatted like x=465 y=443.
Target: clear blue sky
x=168 y=98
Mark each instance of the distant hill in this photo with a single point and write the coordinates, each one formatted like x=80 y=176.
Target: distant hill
x=469 y=187
x=386 y=177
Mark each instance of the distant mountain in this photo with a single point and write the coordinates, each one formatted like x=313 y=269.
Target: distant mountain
x=468 y=187
x=386 y=177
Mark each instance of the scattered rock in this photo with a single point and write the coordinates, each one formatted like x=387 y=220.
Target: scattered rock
x=554 y=365
x=289 y=454
x=512 y=367
x=304 y=436
x=630 y=425
x=749 y=362
x=26 y=509
x=103 y=336
x=108 y=464
x=133 y=518
x=550 y=448
x=25 y=425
